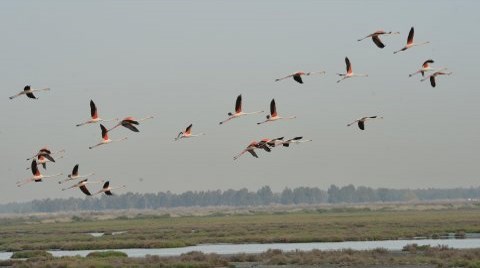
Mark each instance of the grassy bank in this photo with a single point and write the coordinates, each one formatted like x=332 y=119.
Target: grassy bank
x=411 y=257
x=154 y=231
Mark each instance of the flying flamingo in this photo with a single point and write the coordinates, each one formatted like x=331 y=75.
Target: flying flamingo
x=43 y=160
x=376 y=37
x=250 y=148
x=45 y=152
x=296 y=140
x=75 y=175
x=129 y=123
x=410 y=42
x=94 y=115
x=361 y=121
x=435 y=74
x=27 y=90
x=105 y=138
x=273 y=116
x=107 y=189
x=37 y=177
x=425 y=68
x=238 y=110
x=349 y=73
x=298 y=76
x=83 y=186
x=187 y=133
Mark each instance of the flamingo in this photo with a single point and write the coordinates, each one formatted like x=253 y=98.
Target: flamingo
x=129 y=123
x=105 y=138
x=297 y=76
x=435 y=74
x=376 y=37
x=187 y=133
x=349 y=73
x=250 y=148
x=46 y=153
x=238 y=110
x=425 y=68
x=107 y=189
x=296 y=140
x=37 y=177
x=273 y=116
x=83 y=186
x=75 y=175
x=361 y=121
x=94 y=115
x=42 y=160
x=27 y=90
x=410 y=42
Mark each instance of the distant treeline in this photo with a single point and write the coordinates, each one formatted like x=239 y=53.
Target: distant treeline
x=242 y=197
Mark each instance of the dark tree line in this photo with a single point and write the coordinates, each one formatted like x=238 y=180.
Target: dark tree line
x=242 y=197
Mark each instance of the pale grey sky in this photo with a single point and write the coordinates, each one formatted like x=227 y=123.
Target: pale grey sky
x=185 y=62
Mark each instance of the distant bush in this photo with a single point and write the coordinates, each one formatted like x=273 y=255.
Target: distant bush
x=26 y=254
x=107 y=254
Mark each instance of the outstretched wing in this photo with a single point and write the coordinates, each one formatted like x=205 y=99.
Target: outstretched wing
x=427 y=62
x=93 y=110
x=34 y=168
x=238 y=104
x=189 y=129
x=377 y=41
x=106 y=184
x=75 y=170
x=361 y=124
x=84 y=189
x=131 y=127
x=104 y=132
x=432 y=81
x=273 y=108
x=298 y=78
x=108 y=193
x=31 y=96
x=349 y=66
x=252 y=152
x=49 y=157
x=410 y=36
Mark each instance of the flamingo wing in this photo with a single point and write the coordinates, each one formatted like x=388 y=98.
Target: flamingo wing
x=427 y=62
x=298 y=78
x=106 y=184
x=93 y=110
x=432 y=81
x=377 y=41
x=273 y=108
x=75 y=170
x=26 y=88
x=104 y=132
x=84 y=189
x=361 y=124
x=349 y=66
x=31 y=96
x=34 y=168
x=131 y=127
x=108 y=193
x=410 y=36
x=252 y=152
x=189 y=129
x=238 y=104
x=49 y=157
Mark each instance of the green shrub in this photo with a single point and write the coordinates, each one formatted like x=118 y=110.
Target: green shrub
x=107 y=254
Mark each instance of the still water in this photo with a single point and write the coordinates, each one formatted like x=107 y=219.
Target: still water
x=259 y=248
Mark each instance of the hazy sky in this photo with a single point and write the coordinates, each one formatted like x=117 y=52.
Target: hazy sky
x=185 y=62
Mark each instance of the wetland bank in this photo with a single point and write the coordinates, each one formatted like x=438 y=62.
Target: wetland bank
x=180 y=228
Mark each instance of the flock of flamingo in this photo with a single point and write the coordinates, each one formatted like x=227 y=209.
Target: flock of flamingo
x=45 y=155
